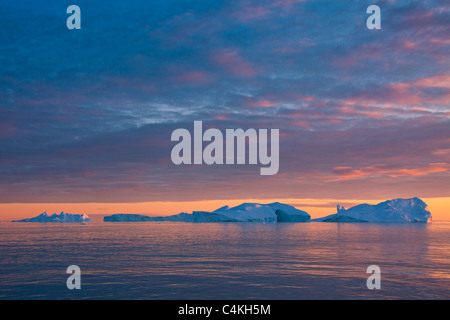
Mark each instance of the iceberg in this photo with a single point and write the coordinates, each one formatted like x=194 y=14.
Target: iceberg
x=128 y=217
x=245 y=212
x=391 y=211
x=287 y=213
x=62 y=217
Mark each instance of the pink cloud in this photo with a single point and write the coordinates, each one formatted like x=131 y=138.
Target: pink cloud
x=407 y=45
x=410 y=93
x=346 y=173
x=300 y=123
x=401 y=93
x=234 y=64
x=440 y=41
x=441 y=81
x=220 y=117
x=350 y=110
x=194 y=77
x=259 y=103
x=249 y=11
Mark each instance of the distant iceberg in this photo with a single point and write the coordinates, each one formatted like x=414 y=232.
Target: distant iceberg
x=129 y=217
x=391 y=211
x=62 y=217
x=245 y=212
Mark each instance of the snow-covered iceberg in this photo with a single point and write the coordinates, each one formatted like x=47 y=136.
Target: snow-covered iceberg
x=62 y=217
x=391 y=211
x=246 y=212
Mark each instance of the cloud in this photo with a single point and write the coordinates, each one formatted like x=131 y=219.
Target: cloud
x=232 y=63
x=344 y=173
x=88 y=115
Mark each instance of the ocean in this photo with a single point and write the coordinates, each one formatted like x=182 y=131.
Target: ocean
x=176 y=260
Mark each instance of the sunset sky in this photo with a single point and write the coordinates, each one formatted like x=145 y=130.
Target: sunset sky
x=87 y=115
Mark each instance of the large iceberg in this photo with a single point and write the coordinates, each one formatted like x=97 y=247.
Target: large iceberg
x=62 y=217
x=393 y=211
x=245 y=212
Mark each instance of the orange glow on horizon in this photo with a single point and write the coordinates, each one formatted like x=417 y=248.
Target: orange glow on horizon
x=439 y=207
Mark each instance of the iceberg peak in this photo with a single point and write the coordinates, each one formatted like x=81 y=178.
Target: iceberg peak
x=62 y=217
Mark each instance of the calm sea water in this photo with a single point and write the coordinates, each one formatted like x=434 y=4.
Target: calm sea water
x=166 y=260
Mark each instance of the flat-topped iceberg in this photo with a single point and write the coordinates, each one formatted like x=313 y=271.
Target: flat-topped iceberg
x=62 y=217
x=391 y=211
x=245 y=212
x=129 y=217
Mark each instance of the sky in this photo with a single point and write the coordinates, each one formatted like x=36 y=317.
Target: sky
x=87 y=115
